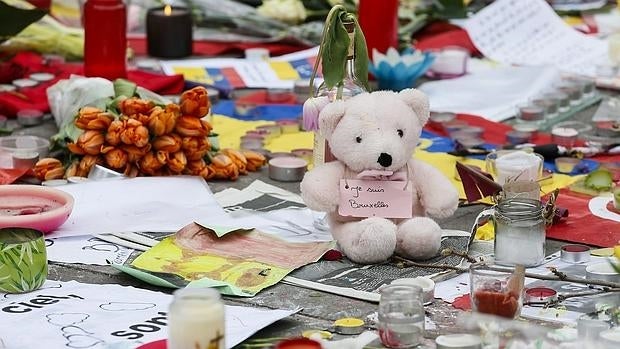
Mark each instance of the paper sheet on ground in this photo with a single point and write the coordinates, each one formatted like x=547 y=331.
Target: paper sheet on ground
x=493 y=94
x=529 y=32
x=77 y=315
x=239 y=264
x=85 y=249
x=137 y=204
x=271 y=210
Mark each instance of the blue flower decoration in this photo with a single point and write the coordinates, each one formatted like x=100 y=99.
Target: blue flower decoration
x=397 y=72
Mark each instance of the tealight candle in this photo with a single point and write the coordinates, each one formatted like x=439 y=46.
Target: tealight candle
x=564 y=136
x=287 y=168
x=298 y=343
x=169 y=32
x=566 y=164
x=289 y=126
x=450 y=62
x=531 y=113
x=574 y=253
x=540 y=294
x=29 y=117
x=458 y=341
x=602 y=271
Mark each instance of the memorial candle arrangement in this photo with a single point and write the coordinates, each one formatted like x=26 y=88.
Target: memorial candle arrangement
x=169 y=32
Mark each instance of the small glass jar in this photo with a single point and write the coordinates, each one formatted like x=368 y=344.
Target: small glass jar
x=196 y=319
x=401 y=316
x=561 y=99
x=531 y=114
x=519 y=232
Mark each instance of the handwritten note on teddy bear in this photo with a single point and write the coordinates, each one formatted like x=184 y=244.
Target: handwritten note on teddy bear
x=364 y=198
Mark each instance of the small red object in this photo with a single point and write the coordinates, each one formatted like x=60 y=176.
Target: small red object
x=333 y=255
x=298 y=343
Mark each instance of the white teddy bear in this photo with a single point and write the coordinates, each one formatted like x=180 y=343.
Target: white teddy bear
x=376 y=133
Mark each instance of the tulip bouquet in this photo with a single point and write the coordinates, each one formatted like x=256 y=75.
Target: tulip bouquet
x=137 y=137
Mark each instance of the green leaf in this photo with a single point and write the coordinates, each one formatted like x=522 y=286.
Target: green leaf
x=446 y=9
x=335 y=47
x=13 y=20
x=124 y=87
x=361 y=57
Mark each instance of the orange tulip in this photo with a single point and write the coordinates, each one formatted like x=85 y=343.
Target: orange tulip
x=90 y=118
x=115 y=158
x=195 y=167
x=131 y=171
x=72 y=170
x=49 y=168
x=132 y=106
x=142 y=118
x=86 y=164
x=135 y=133
x=238 y=158
x=162 y=121
x=255 y=160
x=195 y=102
x=89 y=142
x=134 y=153
x=113 y=136
x=195 y=147
x=207 y=173
x=190 y=126
x=170 y=143
x=224 y=167
x=177 y=162
x=150 y=163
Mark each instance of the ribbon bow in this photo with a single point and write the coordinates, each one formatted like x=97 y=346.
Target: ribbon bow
x=380 y=175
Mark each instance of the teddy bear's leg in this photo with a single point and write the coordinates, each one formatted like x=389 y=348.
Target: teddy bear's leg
x=418 y=238
x=371 y=240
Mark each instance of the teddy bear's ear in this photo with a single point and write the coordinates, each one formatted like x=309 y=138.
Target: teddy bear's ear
x=418 y=101
x=330 y=116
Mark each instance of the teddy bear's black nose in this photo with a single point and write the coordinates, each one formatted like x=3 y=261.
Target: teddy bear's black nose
x=385 y=159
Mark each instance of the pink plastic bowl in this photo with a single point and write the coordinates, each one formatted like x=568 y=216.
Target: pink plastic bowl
x=33 y=206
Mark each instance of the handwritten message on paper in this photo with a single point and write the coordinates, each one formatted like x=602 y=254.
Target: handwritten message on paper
x=529 y=32
x=364 y=198
x=77 y=315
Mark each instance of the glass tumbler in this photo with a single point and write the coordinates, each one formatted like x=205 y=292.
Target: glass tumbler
x=401 y=316
x=494 y=292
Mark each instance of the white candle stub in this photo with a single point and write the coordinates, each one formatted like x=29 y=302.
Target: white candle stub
x=564 y=132
x=458 y=341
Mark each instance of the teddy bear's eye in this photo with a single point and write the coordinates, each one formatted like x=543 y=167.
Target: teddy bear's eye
x=358 y=139
x=400 y=133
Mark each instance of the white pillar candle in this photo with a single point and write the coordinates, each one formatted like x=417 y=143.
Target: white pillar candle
x=196 y=319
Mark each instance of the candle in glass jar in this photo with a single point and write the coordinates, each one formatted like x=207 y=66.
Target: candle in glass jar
x=169 y=32
x=196 y=319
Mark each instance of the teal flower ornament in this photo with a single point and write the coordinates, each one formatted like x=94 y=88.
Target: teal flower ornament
x=394 y=71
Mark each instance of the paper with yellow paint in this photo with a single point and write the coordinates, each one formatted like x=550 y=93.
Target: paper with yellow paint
x=247 y=262
x=233 y=73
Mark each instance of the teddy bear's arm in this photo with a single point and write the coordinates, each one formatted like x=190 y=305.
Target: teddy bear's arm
x=320 y=186
x=438 y=196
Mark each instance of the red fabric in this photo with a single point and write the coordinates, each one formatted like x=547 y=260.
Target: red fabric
x=581 y=225
x=36 y=97
x=438 y=35
x=214 y=48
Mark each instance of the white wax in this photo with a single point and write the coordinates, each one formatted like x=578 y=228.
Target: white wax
x=450 y=61
x=564 y=132
x=196 y=324
x=519 y=243
x=518 y=165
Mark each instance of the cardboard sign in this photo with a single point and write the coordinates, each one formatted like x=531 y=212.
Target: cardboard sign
x=366 y=198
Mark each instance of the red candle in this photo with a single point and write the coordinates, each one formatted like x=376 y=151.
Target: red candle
x=379 y=22
x=540 y=294
x=298 y=343
x=496 y=303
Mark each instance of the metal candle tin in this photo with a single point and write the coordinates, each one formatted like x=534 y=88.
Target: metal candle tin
x=287 y=168
x=602 y=271
x=574 y=253
x=29 y=117
x=349 y=326
x=540 y=294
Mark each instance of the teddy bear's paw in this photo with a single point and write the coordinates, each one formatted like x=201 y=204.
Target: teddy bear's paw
x=443 y=209
x=371 y=240
x=418 y=238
